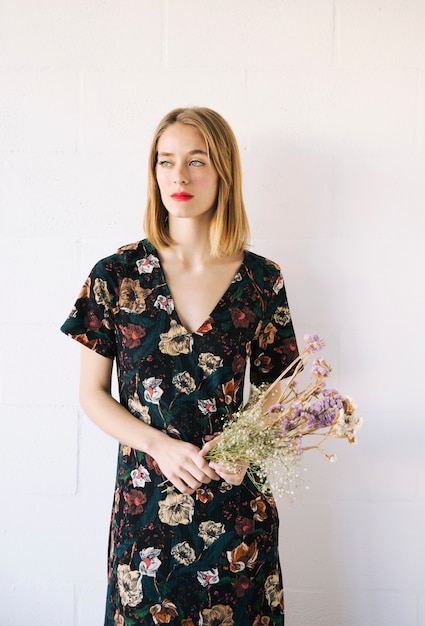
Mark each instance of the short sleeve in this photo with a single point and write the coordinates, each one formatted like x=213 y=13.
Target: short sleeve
x=91 y=321
x=274 y=346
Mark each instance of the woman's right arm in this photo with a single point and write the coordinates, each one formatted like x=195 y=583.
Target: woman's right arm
x=179 y=461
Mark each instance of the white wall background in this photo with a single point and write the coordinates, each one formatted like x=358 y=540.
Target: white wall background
x=327 y=98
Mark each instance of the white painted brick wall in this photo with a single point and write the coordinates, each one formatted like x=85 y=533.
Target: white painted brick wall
x=328 y=102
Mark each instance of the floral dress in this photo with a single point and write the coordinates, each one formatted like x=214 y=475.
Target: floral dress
x=210 y=558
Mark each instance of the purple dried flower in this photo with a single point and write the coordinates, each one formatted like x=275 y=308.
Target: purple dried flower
x=314 y=343
x=297 y=410
x=335 y=398
x=325 y=408
x=329 y=416
x=311 y=418
x=321 y=368
x=275 y=407
x=286 y=423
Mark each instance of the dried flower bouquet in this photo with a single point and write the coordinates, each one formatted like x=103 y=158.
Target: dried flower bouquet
x=270 y=442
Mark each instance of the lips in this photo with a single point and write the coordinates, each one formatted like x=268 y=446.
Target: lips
x=181 y=196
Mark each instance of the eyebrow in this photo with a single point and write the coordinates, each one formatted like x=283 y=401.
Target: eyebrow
x=192 y=152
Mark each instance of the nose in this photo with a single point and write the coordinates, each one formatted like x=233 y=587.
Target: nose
x=181 y=175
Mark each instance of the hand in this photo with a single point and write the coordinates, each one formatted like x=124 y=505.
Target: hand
x=183 y=465
x=231 y=476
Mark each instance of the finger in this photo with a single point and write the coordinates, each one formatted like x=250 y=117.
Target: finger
x=187 y=483
x=224 y=468
x=234 y=479
x=232 y=476
x=192 y=482
x=181 y=486
x=210 y=474
x=195 y=477
x=209 y=445
x=208 y=471
x=183 y=480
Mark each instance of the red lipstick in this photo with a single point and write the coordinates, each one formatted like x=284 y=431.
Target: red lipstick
x=181 y=196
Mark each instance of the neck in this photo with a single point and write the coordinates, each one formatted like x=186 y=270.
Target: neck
x=191 y=237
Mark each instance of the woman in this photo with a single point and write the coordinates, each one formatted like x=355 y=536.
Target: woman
x=183 y=312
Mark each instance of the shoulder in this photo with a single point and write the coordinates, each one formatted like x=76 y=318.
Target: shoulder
x=256 y=260
x=127 y=257
x=138 y=248
x=129 y=262
x=132 y=251
x=266 y=274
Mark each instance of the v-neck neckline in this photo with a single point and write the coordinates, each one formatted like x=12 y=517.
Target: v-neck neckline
x=209 y=317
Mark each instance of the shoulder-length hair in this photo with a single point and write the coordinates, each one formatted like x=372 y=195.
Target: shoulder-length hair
x=229 y=229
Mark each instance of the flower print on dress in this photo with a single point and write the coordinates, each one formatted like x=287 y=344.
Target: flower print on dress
x=267 y=336
x=208 y=577
x=132 y=296
x=184 y=383
x=263 y=363
x=244 y=526
x=230 y=390
x=140 y=476
x=237 y=278
x=241 y=585
x=225 y=487
x=209 y=363
x=242 y=318
x=132 y=335
x=164 y=612
x=176 y=508
x=261 y=620
x=150 y=562
x=274 y=591
x=101 y=293
x=176 y=341
x=93 y=322
x=239 y=361
x=243 y=556
x=147 y=265
x=138 y=409
x=209 y=531
x=134 y=500
x=153 y=391
x=218 y=615
x=206 y=327
x=165 y=304
x=278 y=284
x=282 y=316
x=207 y=406
x=259 y=508
x=204 y=495
x=131 y=591
x=183 y=553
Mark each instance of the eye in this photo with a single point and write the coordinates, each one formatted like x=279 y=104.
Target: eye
x=196 y=163
x=164 y=163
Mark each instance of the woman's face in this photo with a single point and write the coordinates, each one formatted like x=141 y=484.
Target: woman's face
x=187 y=180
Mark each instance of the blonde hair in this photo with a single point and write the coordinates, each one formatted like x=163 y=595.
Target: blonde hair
x=229 y=229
